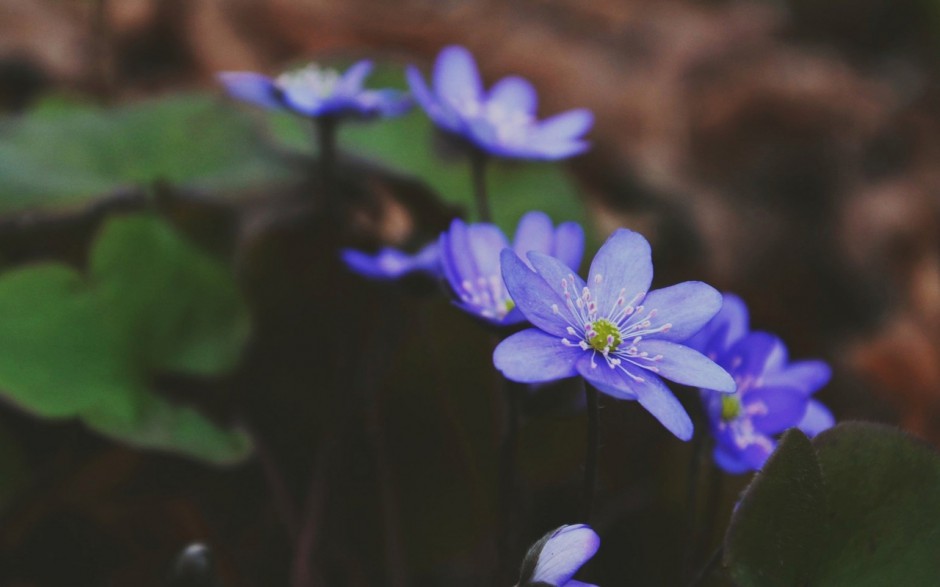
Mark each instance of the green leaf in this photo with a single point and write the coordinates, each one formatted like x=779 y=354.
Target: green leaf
x=873 y=523
x=774 y=536
x=66 y=154
x=88 y=346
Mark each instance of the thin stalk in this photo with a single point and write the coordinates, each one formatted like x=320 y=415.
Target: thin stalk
x=590 y=458
x=708 y=568
x=277 y=485
x=478 y=161
x=507 y=478
x=326 y=128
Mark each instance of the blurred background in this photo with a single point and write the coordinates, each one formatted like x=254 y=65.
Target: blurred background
x=784 y=150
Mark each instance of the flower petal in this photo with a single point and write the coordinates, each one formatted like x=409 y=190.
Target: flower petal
x=728 y=326
x=456 y=78
x=687 y=366
x=561 y=278
x=513 y=94
x=486 y=241
x=564 y=554
x=351 y=82
x=385 y=102
x=534 y=233
x=659 y=401
x=551 y=151
x=774 y=409
x=816 y=419
x=457 y=259
x=564 y=127
x=391 y=263
x=757 y=453
x=533 y=296
x=624 y=262
x=251 y=87
x=749 y=356
x=574 y=583
x=569 y=244
x=629 y=382
x=442 y=115
x=534 y=356
x=808 y=376
x=687 y=306
x=730 y=461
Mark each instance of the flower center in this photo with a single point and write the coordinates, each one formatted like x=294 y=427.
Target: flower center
x=604 y=335
x=730 y=407
x=318 y=83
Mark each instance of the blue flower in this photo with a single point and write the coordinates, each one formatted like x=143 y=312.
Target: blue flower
x=470 y=258
x=772 y=393
x=390 y=264
x=614 y=332
x=558 y=555
x=316 y=92
x=501 y=122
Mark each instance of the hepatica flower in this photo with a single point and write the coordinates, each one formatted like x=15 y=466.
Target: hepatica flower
x=317 y=92
x=390 y=264
x=470 y=260
x=772 y=394
x=501 y=121
x=612 y=330
x=558 y=555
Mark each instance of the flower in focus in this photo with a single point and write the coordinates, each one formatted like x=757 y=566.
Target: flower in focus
x=470 y=259
x=772 y=394
x=614 y=332
x=390 y=264
x=558 y=555
x=317 y=92
x=500 y=122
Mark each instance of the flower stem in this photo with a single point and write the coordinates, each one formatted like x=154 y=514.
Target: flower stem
x=708 y=568
x=590 y=458
x=507 y=478
x=478 y=161
x=326 y=141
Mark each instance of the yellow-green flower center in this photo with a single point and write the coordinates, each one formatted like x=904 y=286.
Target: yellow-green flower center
x=606 y=335
x=730 y=407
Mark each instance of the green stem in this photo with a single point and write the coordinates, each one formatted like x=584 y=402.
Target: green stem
x=590 y=458
x=326 y=128
x=478 y=161
x=507 y=477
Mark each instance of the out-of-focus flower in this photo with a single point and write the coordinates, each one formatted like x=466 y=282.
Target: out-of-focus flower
x=772 y=394
x=390 y=264
x=501 y=122
x=470 y=258
x=614 y=332
x=558 y=555
x=317 y=92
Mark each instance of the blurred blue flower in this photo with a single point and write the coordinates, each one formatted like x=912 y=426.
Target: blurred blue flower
x=470 y=258
x=558 y=555
x=772 y=394
x=612 y=330
x=390 y=264
x=501 y=122
x=317 y=92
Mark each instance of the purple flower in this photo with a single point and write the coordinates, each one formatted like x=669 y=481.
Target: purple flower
x=390 y=264
x=316 y=92
x=772 y=394
x=500 y=122
x=558 y=555
x=614 y=332
x=470 y=258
